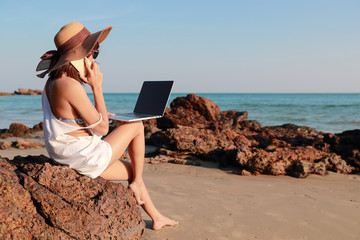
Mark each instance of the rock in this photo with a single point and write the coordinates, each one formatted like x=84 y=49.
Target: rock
x=43 y=200
x=38 y=127
x=197 y=141
x=245 y=173
x=194 y=126
x=295 y=161
x=293 y=134
x=19 y=218
x=191 y=110
x=25 y=91
x=150 y=127
x=301 y=169
x=18 y=130
x=22 y=91
x=233 y=118
x=347 y=145
x=335 y=163
x=277 y=168
x=27 y=144
x=5 y=94
x=203 y=107
x=251 y=125
x=5 y=145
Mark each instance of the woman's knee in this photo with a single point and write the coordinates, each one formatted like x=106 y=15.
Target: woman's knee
x=134 y=127
x=139 y=126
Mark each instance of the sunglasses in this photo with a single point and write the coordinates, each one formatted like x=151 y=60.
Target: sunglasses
x=95 y=54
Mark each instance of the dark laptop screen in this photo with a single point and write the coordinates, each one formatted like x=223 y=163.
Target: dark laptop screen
x=153 y=97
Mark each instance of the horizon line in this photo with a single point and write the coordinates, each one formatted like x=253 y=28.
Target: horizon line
x=242 y=92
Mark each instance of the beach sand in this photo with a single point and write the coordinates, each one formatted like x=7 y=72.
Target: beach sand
x=214 y=204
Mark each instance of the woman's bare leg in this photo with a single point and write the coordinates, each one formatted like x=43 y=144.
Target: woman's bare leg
x=131 y=135
x=136 y=151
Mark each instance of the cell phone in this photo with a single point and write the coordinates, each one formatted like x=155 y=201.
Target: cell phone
x=80 y=65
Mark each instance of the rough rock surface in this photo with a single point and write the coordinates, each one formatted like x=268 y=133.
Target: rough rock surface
x=21 y=144
x=20 y=130
x=27 y=144
x=194 y=127
x=40 y=200
x=203 y=112
x=5 y=145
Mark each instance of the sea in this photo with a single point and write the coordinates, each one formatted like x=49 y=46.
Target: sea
x=327 y=112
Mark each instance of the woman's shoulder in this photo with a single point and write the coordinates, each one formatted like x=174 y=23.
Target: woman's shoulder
x=67 y=83
x=67 y=86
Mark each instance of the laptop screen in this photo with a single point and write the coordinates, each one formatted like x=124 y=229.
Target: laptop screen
x=153 y=97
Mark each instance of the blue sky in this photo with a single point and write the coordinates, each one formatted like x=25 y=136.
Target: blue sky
x=204 y=45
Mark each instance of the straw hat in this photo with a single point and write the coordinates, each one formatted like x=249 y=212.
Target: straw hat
x=73 y=42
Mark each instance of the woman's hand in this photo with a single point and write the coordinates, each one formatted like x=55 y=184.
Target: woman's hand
x=93 y=75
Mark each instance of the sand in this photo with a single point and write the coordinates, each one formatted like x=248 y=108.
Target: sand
x=214 y=204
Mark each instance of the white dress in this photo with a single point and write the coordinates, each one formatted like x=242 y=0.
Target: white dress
x=89 y=155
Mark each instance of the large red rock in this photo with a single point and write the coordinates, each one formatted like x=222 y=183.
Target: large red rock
x=19 y=218
x=190 y=110
x=40 y=200
x=194 y=126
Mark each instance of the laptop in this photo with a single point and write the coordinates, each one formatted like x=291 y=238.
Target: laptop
x=151 y=103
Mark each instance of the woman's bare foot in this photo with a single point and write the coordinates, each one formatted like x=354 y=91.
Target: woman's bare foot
x=162 y=222
x=136 y=188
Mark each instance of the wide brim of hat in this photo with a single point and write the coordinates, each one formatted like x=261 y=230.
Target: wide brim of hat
x=82 y=50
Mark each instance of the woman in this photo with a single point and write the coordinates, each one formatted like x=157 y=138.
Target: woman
x=73 y=126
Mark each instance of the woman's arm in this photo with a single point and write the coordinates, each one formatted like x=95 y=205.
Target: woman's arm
x=94 y=80
x=75 y=95
x=101 y=108
x=71 y=92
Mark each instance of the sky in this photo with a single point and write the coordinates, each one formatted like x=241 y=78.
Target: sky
x=205 y=46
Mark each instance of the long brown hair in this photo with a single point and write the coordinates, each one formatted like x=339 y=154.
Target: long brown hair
x=68 y=69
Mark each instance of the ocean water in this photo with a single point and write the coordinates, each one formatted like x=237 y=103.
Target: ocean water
x=333 y=113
